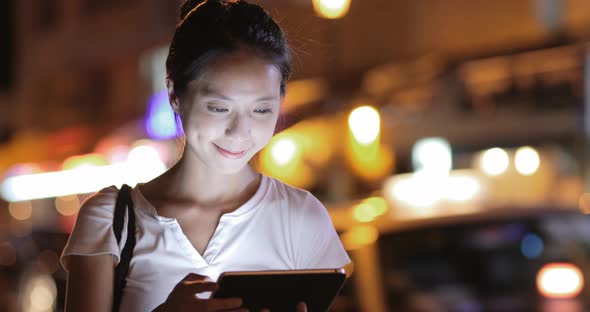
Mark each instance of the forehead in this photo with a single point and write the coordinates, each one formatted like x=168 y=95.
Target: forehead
x=239 y=73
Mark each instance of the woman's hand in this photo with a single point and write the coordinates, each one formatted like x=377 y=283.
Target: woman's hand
x=183 y=297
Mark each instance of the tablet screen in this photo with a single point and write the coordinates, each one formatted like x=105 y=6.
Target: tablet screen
x=282 y=290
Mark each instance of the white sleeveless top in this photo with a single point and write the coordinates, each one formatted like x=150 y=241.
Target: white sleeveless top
x=281 y=227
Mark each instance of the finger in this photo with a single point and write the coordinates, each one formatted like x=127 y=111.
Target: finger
x=223 y=304
x=199 y=287
x=265 y=310
x=195 y=278
x=301 y=307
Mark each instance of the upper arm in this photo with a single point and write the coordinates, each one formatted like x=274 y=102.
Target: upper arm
x=90 y=283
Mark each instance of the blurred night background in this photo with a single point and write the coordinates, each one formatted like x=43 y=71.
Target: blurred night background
x=447 y=138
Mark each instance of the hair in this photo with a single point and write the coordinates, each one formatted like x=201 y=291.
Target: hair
x=209 y=29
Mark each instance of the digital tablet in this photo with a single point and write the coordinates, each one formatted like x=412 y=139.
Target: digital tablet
x=282 y=290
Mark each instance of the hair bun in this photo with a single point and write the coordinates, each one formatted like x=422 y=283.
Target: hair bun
x=187 y=6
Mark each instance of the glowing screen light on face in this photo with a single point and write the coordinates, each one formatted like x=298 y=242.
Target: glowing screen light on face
x=160 y=122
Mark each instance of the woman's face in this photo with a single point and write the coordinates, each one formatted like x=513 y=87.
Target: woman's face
x=230 y=112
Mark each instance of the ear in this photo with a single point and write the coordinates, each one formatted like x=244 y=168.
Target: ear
x=172 y=97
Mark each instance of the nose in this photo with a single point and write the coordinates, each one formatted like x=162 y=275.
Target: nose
x=238 y=129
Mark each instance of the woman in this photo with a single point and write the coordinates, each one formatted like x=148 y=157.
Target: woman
x=211 y=212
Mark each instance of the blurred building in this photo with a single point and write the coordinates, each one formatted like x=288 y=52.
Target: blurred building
x=77 y=61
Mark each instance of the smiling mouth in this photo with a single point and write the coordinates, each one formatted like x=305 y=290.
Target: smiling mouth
x=229 y=154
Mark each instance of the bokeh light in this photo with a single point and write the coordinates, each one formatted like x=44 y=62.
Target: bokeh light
x=432 y=155
x=531 y=246
x=283 y=158
x=369 y=209
x=494 y=161
x=331 y=9
x=461 y=188
x=584 y=203
x=527 y=160
x=84 y=161
x=560 y=280
x=39 y=294
x=283 y=151
x=365 y=124
x=144 y=163
x=417 y=190
x=67 y=205
x=359 y=236
x=21 y=210
x=160 y=122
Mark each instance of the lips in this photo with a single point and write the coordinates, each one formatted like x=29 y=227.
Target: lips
x=230 y=154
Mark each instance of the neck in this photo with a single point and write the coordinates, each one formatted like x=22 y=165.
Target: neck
x=190 y=180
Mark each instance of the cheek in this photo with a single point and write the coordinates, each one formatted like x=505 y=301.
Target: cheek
x=201 y=126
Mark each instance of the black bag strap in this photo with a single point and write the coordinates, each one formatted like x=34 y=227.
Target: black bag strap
x=123 y=201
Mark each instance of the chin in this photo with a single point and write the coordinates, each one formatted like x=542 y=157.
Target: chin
x=230 y=167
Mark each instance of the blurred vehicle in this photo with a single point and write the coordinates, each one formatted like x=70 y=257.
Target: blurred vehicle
x=511 y=258
x=488 y=262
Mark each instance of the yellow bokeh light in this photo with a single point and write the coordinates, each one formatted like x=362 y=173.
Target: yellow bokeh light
x=369 y=209
x=290 y=167
x=21 y=210
x=297 y=154
x=283 y=151
x=363 y=212
x=67 y=205
x=369 y=159
x=370 y=162
x=359 y=236
x=527 y=160
x=365 y=124
x=584 y=203
x=331 y=9
x=82 y=161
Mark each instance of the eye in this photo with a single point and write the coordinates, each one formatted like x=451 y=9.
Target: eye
x=217 y=109
x=263 y=111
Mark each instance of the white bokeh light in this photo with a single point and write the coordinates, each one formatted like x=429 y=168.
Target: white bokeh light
x=560 y=280
x=364 y=123
x=39 y=294
x=432 y=156
x=283 y=151
x=494 y=161
x=527 y=160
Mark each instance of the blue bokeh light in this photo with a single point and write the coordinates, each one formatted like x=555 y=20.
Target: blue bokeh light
x=159 y=122
x=531 y=246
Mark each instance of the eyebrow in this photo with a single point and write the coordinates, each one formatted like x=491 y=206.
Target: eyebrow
x=209 y=92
